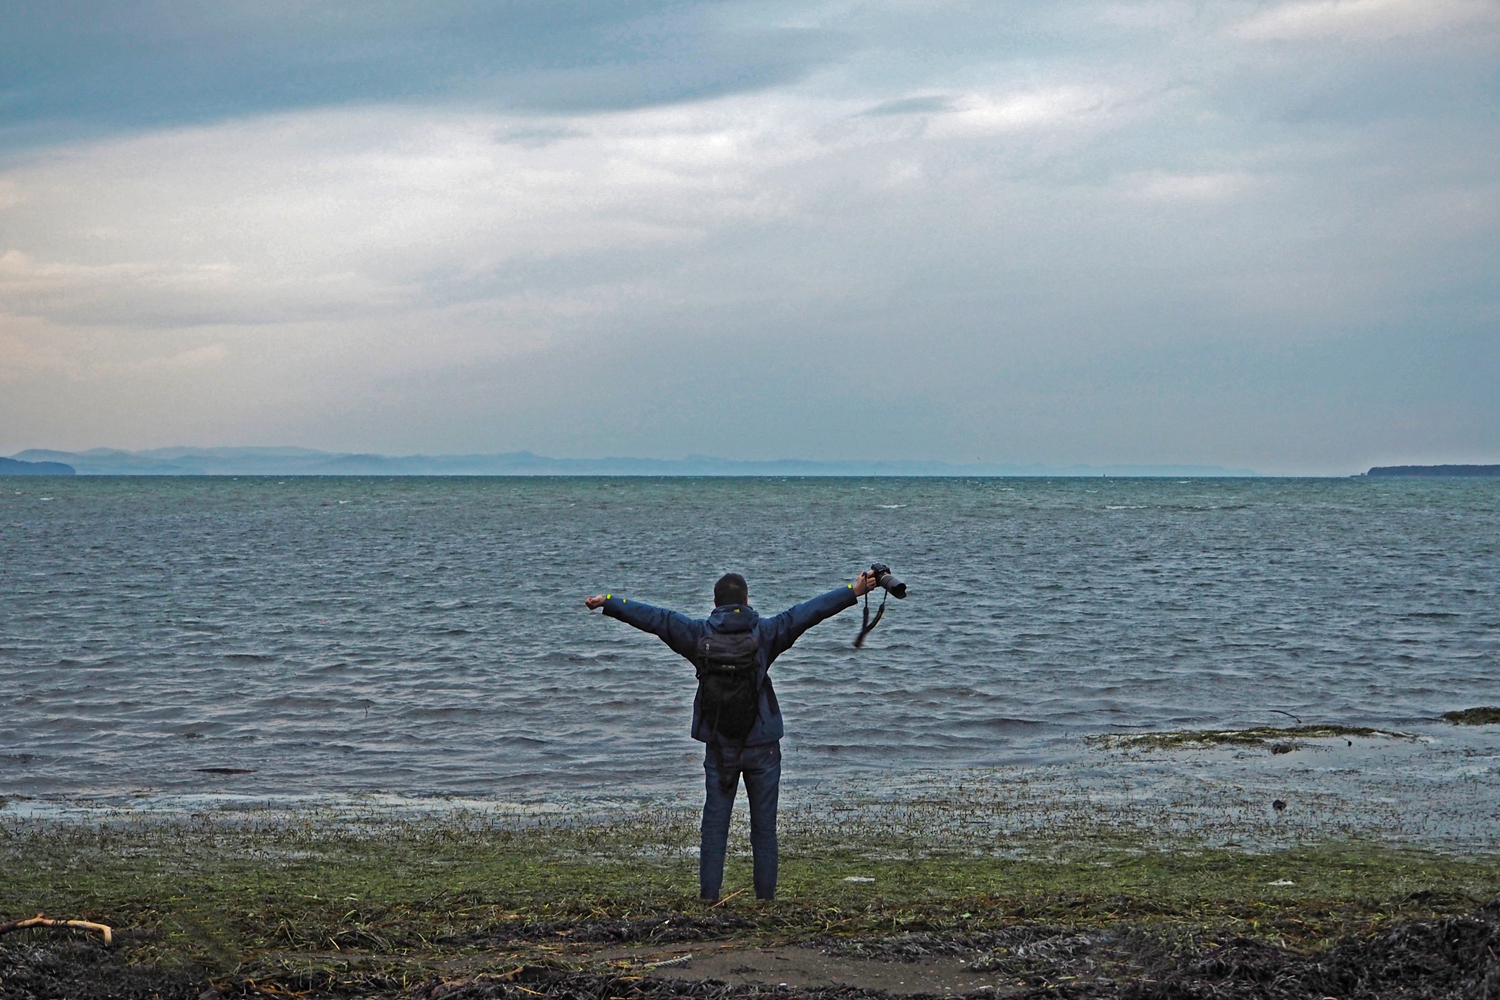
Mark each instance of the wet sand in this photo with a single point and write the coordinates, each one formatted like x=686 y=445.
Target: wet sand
x=804 y=968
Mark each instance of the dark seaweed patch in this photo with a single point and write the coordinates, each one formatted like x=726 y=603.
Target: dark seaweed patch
x=1447 y=957
x=1423 y=959
x=1485 y=715
x=82 y=970
x=1283 y=740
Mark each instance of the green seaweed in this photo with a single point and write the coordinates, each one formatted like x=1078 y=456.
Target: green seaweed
x=307 y=900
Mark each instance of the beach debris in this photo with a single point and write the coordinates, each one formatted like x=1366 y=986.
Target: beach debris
x=737 y=892
x=682 y=927
x=858 y=878
x=42 y=920
x=1432 y=959
x=629 y=965
x=1484 y=715
x=1011 y=951
x=1278 y=805
x=1283 y=747
x=1282 y=881
x=676 y=962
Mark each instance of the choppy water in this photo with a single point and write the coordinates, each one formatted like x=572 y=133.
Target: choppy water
x=427 y=636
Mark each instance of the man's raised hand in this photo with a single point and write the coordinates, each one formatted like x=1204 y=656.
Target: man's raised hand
x=595 y=602
x=865 y=583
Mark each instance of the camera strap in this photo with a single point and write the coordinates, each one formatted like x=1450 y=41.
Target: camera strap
x=870 y=623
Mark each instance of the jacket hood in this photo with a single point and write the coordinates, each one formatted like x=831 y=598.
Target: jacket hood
x=733 y=618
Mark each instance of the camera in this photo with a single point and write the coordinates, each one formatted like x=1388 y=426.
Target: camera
x=894 y=587
x=887 y=579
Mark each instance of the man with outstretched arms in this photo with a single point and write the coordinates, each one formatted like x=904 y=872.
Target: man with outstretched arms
x=735 y=713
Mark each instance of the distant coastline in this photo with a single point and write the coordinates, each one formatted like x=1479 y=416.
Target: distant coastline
x=1434 y=470
x=308 y=462
x=16 y=467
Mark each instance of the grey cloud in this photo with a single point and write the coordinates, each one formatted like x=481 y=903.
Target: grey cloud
x=1161 y=244
x=79 y=67
x=1374 y=91
x=910 y=106
x=535 y=137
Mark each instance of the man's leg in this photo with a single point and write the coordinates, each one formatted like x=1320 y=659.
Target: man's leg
x=762 y=768
x=718 y=803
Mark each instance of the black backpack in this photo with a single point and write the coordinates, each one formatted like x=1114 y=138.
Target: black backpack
x=729 y=697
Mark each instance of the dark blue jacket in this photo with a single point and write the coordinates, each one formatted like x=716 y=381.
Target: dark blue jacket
x=775 y=636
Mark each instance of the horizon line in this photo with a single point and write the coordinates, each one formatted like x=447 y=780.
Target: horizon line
x=293 y=460
x=296 y=460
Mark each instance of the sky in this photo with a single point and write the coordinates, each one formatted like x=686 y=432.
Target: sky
x=1255 y=234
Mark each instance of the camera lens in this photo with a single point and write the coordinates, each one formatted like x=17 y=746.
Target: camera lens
x=895 y=587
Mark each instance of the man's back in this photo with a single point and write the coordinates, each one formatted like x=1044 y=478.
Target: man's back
x=774 y=636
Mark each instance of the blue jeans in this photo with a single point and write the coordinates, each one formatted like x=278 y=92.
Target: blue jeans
x=722 y=767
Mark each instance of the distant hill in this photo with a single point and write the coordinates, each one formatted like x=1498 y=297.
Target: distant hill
x=12 y=467
x=306 y=462
x=1435 y=470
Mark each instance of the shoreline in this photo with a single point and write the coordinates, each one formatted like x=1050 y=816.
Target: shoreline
x=1208 y=788
x=1154 y=864
x=391 y=907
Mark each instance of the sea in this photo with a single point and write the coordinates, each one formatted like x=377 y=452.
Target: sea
x=167 y=642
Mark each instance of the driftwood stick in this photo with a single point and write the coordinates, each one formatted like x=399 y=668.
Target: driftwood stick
x=727 y=898
x=44 y=921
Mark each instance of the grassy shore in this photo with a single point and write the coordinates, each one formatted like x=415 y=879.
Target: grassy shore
x=301 y=900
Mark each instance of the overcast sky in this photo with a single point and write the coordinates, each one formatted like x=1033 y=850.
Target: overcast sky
x=1257 y=234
